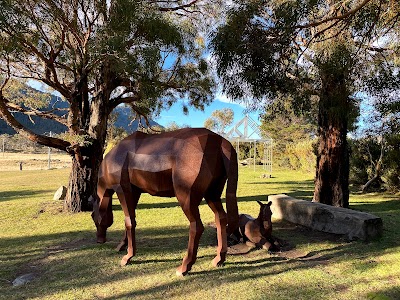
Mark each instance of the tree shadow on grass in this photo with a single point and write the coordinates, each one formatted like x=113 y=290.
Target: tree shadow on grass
x=288 y=183
x=388 y=207
x=72 y=260
x=13 y=195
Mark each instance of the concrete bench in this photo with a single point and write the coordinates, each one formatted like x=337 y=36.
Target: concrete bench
x=354 y=224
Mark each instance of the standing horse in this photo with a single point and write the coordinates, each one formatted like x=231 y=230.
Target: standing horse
x=258 y=231
x=191 y=164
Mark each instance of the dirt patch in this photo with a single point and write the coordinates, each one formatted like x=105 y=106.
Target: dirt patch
x=52 y=207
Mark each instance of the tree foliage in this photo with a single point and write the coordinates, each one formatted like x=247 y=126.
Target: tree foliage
x=320 y=52
x=98 y=54
x=293 y=139
x=220 y=119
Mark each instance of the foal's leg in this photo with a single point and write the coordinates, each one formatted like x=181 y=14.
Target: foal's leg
x=190 y=207
x=220 y=222
x=128 y=199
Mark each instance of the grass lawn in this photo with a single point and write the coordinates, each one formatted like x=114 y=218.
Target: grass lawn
x=60 y=251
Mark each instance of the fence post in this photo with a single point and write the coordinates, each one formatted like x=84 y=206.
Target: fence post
x=49 y=162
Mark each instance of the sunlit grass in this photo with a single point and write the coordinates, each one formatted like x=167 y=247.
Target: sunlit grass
x=60 y=248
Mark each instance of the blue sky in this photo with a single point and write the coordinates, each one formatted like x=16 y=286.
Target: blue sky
x=196 y=118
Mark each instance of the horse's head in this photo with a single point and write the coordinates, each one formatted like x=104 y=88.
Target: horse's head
x=95 y=212
x=101 y=230
x=265 y=216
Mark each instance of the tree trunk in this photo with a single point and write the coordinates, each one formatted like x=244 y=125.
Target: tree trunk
x=83 y=179
x=332 y=174
x=378 y=168
x=87 y=159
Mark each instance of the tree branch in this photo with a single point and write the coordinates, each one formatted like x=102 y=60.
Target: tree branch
x=37 y=138
x=341 y=17
x=179 y=7
x=34 y=112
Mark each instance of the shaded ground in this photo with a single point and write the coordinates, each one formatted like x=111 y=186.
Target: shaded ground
x=284 y=232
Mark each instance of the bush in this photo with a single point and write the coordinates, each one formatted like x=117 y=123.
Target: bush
x=301 y=156
x=361 y=168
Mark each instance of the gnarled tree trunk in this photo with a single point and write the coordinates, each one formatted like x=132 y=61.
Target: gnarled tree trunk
x=83 y=179
x=88 y=157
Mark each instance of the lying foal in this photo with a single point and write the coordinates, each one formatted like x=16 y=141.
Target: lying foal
x=258 y=232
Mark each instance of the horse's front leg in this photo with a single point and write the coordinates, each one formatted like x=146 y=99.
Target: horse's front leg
x=220 y=222
x=128 y=199
x=195 y=231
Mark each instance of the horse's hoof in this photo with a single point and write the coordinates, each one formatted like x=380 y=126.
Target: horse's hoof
x=218 y=261
x=180 y=273
x=250 y=244
x=125 y=260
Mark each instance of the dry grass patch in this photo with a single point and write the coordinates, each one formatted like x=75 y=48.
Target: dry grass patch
x=10 y=161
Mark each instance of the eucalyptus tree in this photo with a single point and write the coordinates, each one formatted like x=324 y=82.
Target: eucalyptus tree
x=220 y=119
x=313 y=51
x=98 y=54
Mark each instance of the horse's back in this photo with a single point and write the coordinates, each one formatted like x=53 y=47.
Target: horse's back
x=155 y=161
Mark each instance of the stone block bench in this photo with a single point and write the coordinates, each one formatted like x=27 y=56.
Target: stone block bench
x=351 y=223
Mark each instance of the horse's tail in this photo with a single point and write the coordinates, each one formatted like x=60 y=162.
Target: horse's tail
x=231 y=167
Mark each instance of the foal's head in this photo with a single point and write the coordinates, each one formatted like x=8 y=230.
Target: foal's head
x=264 y=217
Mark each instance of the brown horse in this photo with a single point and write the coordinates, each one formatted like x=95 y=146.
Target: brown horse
x=258 y=231
x=191 y=164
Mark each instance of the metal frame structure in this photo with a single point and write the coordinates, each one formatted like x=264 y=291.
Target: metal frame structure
x=247 y=130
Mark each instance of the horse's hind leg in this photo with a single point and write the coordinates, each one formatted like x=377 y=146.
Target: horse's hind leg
x=220 y=222
x=128 y=198
x=213 y=198
x=191 y=210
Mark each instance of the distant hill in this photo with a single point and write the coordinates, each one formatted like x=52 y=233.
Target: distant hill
x=44 y=126
x=125 y=118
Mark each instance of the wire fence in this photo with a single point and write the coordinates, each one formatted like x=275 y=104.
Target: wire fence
x=18 y=153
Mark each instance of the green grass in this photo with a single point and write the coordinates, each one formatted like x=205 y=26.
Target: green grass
x=60 y=249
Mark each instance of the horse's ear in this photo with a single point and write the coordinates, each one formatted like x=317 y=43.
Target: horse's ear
x=259 y=202
x=269 y=203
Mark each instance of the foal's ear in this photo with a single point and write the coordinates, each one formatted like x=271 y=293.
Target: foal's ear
x=259 y=202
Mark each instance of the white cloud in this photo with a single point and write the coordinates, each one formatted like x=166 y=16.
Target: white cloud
x=224 y=98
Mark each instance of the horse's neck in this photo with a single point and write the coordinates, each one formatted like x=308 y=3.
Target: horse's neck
x=259 y=220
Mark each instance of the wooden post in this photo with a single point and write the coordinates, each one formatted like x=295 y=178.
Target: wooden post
x=254 y=160
x=49 y=160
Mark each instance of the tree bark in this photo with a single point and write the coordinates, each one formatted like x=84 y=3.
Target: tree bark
x=83 y=179
x=88 y=157
x=332 y=174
